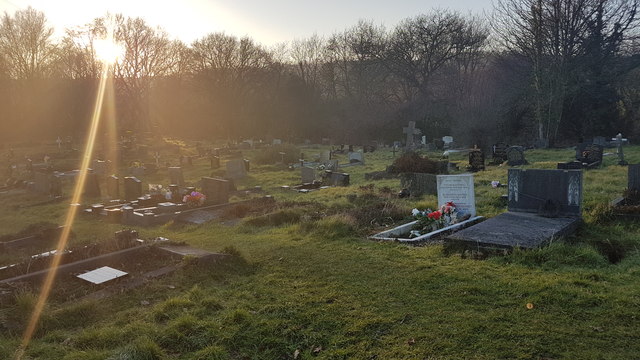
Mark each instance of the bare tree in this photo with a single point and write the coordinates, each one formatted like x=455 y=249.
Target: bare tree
x=25 y=43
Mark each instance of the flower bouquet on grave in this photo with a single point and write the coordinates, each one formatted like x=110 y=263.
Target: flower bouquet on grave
x=194 y=199
x=429 y=221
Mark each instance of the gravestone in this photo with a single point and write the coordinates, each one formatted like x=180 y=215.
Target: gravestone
x=216 y=190
x=277 y=142
x=339 y=179
x=633 y=177
x=621 y=160
x=325 y=156
x=42 y=182
x=91 y=185
x=460 y=190
x=515 y=156
x=308 y=174
x=548 y=192
x=356 y=157
x=499 y=153
x=590 y=155
x=137 y=171
x=600 y=140
x=100 y=167
x=113 y=187
x=236 y=169
x=411 y=131
x=543 y=205
x=332 y=165
x=476 y=160
x=419 y=184
x=215 y=162
x=176 y=176
x=132 y=188
x=447 y=141
x=247 y=164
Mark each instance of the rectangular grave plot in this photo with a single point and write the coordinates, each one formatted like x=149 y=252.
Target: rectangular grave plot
x=102 y=275
x=546 y=192
x=514 y=230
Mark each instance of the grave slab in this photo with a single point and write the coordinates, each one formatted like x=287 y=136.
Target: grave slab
x=512 y=229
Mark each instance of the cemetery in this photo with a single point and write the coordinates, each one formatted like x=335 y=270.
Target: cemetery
x=461 y=182
x=538 y=210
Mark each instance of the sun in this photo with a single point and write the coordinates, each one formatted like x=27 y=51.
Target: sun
x=108 y=51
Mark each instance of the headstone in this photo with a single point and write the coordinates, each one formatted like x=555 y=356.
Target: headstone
x=247 y=164
x=176 y=176
x=215 y=162
x=339 y=179
x=325 y=156
x=132 y=188
x=447 y=141
x=308 y=174
x=621 y=160
x=546 y=192
x=633 y=176
x=476 y=160
x=91 y=185
x=411 y=131
x=458 y=189
x=515 y=156
x=137 y=171
x=590 y=155
x=600 y=140
x=419 y=184
x=156 y=156
x=499 y=153
x=216 y=190
x=100 y=167
x=277 y=142
x=42 y=182
x=236 y=169
x=356 y=157
x=113 y=187
x=424 y=141
x=332 y=165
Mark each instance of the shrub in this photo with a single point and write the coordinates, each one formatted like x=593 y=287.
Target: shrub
x=271 y=154
x=411 y=162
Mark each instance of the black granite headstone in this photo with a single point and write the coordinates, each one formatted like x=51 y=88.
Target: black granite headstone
x=476 y=160
x=216 y=190
x=419 y=184
x=132 y=188
x=634 y=177
x=545 y=192
x=91 y=186
x=499 y=153
x=515 y=156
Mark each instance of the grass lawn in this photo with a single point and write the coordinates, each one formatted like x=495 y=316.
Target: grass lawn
x=306 y=283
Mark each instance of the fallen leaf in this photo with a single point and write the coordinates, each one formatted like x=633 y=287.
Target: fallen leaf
x=317 y=349
x=529 y=306
x=296 y=354
x=411 y=341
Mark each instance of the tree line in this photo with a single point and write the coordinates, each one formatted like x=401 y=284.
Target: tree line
x=559 y=70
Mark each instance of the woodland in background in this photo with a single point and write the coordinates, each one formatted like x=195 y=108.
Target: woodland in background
x=556 y=69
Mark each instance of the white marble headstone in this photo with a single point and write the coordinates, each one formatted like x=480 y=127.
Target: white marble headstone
x=460 y=190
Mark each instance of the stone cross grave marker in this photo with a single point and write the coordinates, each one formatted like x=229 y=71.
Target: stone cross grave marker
x=176 y=176
x=621 y=160
x=460 y=190
x=411 y=131
x=156 y=156
x=236 y=169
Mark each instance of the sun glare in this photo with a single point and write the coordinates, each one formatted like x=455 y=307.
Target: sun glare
x=108 y=51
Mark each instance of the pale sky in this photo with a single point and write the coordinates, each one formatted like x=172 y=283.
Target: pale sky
x=266 y=21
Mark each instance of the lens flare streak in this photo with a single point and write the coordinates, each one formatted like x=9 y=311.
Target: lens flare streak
x=70 y=217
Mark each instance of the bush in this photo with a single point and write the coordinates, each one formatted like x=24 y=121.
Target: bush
x=411 y=162
x=271 y=155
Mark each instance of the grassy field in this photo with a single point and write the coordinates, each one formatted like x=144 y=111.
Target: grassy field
x=306 y=283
